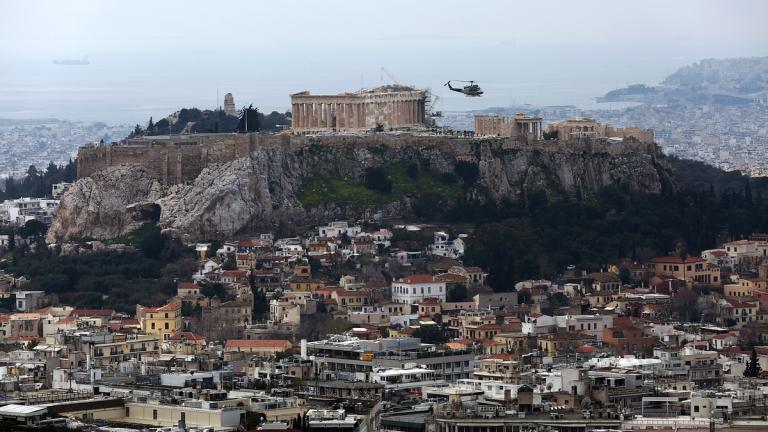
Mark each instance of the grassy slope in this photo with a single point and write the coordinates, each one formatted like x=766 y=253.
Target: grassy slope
x=318 y=190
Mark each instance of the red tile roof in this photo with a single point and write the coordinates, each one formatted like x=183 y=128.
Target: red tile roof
x=235 y=273
x=676 y=260
x=92 y=312
x=166 y=308
x=189 y=337
x=417 y=279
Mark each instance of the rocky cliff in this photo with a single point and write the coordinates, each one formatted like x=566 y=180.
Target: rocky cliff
x=264 y=186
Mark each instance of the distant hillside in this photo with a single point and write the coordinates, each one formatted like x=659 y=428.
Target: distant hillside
x=700 y=176
x=710 y=81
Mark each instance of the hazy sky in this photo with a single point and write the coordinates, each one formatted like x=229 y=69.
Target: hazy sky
x=151 y=57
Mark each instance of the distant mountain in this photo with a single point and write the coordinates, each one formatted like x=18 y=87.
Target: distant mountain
x=710 y=81
x=73 y=62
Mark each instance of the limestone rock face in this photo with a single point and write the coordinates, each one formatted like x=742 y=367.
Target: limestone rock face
x=104 y=205
x=227 y=198
x=262 y=189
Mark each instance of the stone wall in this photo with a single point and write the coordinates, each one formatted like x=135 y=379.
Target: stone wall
x=181 y=158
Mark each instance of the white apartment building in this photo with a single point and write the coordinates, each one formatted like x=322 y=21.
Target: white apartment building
x=22 y=210
x=590 y=324
x=337 y=229
x=415 y=288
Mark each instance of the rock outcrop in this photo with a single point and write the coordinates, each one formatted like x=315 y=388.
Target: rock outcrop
x=263 y=187
x=106 y=205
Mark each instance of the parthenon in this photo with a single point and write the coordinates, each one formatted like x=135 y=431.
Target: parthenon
x=387 y=106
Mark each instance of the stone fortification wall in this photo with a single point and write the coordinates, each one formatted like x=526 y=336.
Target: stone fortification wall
x=181 y=158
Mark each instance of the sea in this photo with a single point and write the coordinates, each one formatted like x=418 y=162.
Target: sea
x=124 y=89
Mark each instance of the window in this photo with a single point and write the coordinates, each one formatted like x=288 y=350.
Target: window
x=153 y=326
x=183 y=416
x=167 y=326
x=127 y=411
x=695 y=408
x=154 y=414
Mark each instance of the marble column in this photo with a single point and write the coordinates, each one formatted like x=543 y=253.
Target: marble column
x=355 y=125
x=328 y=116
x=350 y=119
x=318 y=115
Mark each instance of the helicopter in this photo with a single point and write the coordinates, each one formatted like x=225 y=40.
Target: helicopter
x=471 y=89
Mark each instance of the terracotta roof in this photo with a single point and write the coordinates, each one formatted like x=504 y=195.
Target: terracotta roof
x=676 y=260
x=417 y=279
x=430 y=301
x=489 y=342
x=604 y=277
x=189 y=337
x=235 y=273
x=738 y=304
x=166 y=308
x=450 y=278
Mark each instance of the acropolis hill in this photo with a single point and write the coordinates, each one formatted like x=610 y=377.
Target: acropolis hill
x=207 y=186
x=201 y=186
x=180 y=158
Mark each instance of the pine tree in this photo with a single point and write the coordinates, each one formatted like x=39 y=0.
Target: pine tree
x=753 y=367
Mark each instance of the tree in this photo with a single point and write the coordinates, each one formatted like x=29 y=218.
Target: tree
x=558 y=299
x=378 y=180
x=33 y=228
x=468 y=172
x=152 y=242
x=249 y=119
x=413 y=171
x=524 y=297
x=457 y=293
x=150 y=125
x=753 y=366
x=550 y=135
x=430 y=334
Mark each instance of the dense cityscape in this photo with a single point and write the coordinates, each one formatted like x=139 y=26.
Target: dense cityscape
x=362 y=259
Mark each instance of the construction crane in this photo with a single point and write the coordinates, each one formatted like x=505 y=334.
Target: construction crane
x=384 y=71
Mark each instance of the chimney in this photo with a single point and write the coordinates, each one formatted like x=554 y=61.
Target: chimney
x=303 y=349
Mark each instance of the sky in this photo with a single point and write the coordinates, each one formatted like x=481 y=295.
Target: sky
x=150 y=58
